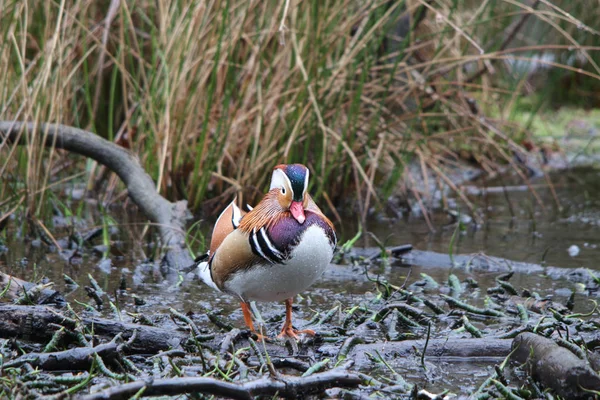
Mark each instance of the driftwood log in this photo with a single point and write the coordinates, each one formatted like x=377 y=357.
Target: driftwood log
x=170 y=218
x=31 y=323
x=555 y=367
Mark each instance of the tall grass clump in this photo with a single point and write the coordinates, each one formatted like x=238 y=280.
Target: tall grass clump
x=211 y=95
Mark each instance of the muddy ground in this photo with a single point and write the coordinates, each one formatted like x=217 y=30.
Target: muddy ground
x=396 y=324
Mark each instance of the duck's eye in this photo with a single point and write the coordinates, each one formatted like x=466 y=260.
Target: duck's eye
x=282 y=190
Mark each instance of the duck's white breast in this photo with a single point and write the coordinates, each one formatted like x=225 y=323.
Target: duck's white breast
x=276 y=282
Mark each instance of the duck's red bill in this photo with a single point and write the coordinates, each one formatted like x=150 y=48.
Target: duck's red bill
x=297 y=211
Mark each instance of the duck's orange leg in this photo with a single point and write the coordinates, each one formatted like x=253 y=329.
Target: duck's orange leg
x=288 y=330
x=248 y=320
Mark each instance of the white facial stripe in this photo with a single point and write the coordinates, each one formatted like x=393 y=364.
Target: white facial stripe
x=305 y=182
x=279 y=180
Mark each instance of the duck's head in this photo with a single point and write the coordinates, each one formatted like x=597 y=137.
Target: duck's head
x=291 y=181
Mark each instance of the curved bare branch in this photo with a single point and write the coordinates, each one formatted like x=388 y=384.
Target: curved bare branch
x=170 y=217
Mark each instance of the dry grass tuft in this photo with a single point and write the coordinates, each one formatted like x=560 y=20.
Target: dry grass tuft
x=212 y=94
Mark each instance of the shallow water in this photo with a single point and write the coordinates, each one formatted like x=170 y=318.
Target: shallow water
x=530 y=229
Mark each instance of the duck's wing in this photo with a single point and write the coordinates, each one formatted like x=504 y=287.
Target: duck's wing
x=227 y=222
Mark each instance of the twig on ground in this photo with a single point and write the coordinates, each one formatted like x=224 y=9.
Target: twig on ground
x=285 y=386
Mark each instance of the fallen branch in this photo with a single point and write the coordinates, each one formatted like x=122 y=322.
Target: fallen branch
x=555 y=367
x=77 y=359
x=169 y=217
x=31 y=322
x=482 y=262
x=446 y=349
x=284 y=386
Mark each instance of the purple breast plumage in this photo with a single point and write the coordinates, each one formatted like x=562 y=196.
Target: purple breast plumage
x=275 y=243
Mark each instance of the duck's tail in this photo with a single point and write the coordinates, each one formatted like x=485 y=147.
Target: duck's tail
x=204 y=273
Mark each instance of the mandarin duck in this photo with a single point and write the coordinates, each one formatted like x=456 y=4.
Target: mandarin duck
x=273 y=252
